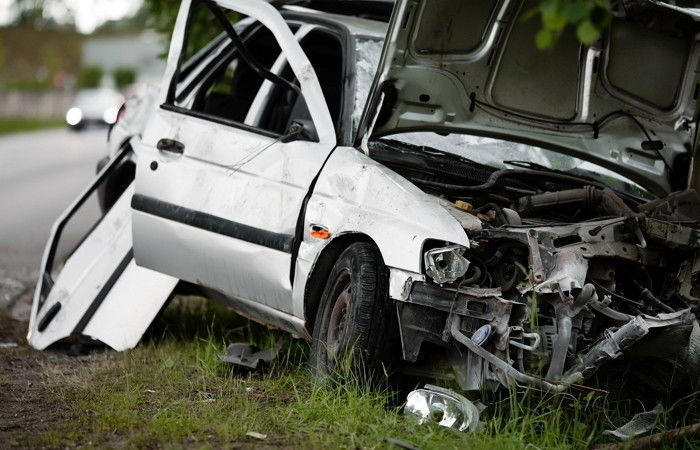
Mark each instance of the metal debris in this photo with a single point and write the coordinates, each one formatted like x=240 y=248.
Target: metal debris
x=641 y=423
x=250 y=356
x=8 y=345
x=445 y=407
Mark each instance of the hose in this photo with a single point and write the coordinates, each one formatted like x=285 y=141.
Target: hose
x=560 y=347
x=604 y=198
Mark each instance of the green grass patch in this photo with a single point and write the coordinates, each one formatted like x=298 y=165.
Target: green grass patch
x=172 y=391
x=10 y=125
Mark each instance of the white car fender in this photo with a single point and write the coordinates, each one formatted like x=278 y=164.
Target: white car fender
x=355 y=194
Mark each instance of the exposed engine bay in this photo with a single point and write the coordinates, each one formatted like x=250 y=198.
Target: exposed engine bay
x=563 y=275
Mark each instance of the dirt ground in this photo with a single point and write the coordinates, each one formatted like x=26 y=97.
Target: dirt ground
x=29 y=405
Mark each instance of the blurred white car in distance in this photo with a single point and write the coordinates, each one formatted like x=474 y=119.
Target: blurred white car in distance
x=98 y=106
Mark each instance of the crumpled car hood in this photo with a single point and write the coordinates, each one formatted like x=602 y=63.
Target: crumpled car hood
x=627 y=102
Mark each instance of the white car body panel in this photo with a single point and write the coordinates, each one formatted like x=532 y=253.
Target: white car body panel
x=102 y=293
x=351 y=194
x=357 y=195
x=139 y=108
x=270 y=180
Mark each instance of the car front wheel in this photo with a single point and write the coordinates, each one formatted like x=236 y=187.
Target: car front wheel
x=355 y=321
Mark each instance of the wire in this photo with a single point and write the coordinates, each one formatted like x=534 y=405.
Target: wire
x=614 y=294
x=615 y=114
x=595 y=126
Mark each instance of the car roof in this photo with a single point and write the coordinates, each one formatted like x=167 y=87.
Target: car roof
x=357 y=26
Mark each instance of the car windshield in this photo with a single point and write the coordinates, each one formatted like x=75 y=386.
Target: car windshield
x=502 y=154
x=367 y=53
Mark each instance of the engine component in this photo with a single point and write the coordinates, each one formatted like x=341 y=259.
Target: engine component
x=482 y=335
x=589 y=196
x=610 y=347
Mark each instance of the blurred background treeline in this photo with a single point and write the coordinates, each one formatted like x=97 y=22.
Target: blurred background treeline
x=52 y=49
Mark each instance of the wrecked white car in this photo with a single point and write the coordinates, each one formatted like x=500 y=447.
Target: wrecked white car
x=428 y=190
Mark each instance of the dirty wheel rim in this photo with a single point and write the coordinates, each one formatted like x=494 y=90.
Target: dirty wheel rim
x=338 y=320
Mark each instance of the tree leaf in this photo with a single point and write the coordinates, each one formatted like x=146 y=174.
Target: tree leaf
x=545 y=39
x=576 y=11
x=587 y=32
x=553 y=21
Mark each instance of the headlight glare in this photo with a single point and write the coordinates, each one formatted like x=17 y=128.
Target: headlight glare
x=446 y=264
x=74 y=116
x=110 y=115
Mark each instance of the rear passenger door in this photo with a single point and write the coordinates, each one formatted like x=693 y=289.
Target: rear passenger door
x=226 y=161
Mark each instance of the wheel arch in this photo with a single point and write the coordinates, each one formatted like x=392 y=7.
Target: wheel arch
x=322 y=268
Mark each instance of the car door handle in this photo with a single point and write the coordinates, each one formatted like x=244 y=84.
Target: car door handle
x=171 y=146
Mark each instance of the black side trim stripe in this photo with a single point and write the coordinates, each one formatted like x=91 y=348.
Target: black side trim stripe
x=49 y=316
x=204 y=221
x=92 y=309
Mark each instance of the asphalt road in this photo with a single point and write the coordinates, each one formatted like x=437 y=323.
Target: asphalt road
x=40 y=174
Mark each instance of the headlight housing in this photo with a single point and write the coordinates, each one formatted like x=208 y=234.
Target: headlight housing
x=445 y=265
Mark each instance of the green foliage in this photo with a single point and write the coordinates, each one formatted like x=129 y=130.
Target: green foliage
x=590 y=17
x=172 y=391
x=9 y=125
x=163 y=13
x=28 y=85
x=161 y=17
x=124 y=76
x=33 y=13
x=90 y=77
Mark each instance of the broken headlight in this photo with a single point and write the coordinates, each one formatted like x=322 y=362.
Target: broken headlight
x=446 y=264
x=445 y=407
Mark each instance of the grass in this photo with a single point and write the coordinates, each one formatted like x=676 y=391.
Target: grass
x=172 y=391
x=10 y=125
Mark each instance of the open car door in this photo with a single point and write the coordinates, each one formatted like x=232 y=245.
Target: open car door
x=99 y=293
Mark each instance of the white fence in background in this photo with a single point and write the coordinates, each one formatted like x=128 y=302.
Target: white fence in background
x=38 y=105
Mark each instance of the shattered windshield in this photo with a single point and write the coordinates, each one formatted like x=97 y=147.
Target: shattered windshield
x=496 y=153
x=367 y=53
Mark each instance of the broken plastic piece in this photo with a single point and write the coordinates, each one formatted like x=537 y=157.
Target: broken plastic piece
x=434 y=404
x=256 y=435
x=641 y=423
x=247 y=355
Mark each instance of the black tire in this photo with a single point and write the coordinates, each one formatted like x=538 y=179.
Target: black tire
x=355 y=318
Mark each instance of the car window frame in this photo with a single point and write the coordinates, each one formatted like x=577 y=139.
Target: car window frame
x=171 y=94
x=343 y=129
